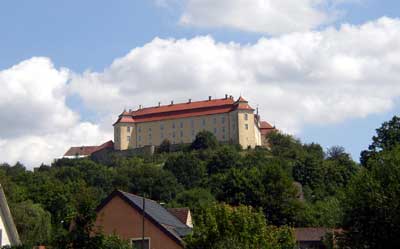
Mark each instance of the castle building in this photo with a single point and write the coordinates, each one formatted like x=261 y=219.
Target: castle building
x=231 y=121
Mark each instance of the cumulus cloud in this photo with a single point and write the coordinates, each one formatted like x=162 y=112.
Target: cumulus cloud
x=37 y=125
x=296 y=79
x=262 y=16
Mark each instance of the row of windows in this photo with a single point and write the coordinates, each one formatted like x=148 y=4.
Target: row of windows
x=181 y=134
x=181 y=124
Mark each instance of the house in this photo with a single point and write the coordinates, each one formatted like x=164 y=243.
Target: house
x=85 y=151
x=8 y=232
x=231 y=121
x=311 y=237
x=121 y=213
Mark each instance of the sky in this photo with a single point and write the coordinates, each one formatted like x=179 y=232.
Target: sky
x=325 y=71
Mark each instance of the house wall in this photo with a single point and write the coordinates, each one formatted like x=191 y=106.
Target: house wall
x=118 y=217
x=177 y=131
x=5 y=240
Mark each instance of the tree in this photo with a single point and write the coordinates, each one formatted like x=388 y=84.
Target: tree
x=223 y=159
x=187 y=168
x=372 y=203
x=284 y=146
x=386 y=138
x=194 y=199
x=221 y=226
x=204 y=140
x=33 y=223
x=267 y=187
x=165 y=146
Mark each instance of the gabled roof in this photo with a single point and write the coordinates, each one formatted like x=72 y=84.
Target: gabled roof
x=156 y=213
x=181 y=213
x=8 y=220
x=87 y=150
x=184 y=110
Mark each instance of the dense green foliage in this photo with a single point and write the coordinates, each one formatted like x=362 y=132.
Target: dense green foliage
x=221 y=226
x=372 y=204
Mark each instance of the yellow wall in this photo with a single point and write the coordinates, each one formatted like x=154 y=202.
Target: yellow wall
x=227 y=127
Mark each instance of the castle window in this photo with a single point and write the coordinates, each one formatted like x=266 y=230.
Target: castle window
x=140 y=138
x=223 y=129
x=193 y=133
x=181 y=133
x=204 y=121
x=192 y=123
x=181 y=124
x=128 y=129
x=128 y=138
x=161 y=126
x=173 y=125
x=223 y=137
x=223 y=120
x=215 y=130
x=149 y=129
x=140 y=129
x=162 y=135
x=215 y=120
x=246 y=126
x=246 y=116
x=173 y=134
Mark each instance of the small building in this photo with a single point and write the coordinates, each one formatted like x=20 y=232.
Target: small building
x=311 y=237
x=86 y=151
x=8 y=232
x=121 y=213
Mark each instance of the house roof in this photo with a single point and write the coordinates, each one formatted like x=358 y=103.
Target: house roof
x=156 y=213
x=87 y=150
x=180 y=213
x=183 y=110
x=266 y=128
x=311 y=233
x=8 y=220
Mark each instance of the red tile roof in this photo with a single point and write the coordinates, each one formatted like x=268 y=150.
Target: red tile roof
x=87 y=150
x=180 y=213
x=184 y=110
x=266 y=128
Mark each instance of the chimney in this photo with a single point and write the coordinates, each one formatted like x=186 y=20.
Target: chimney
x=130 y=110
x=226 y=96
x=172 y=102
x=190 y=101
x=209 y=98
x=140 y=107
x=159 y=104
x=231 y=97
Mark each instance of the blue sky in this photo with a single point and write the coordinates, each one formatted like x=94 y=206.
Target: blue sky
x=88 y=36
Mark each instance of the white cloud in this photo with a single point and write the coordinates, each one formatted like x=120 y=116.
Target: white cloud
x=296 y=79
x=262 y=16
x=37 y=125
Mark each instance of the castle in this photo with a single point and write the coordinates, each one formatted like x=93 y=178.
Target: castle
x=231 y=121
